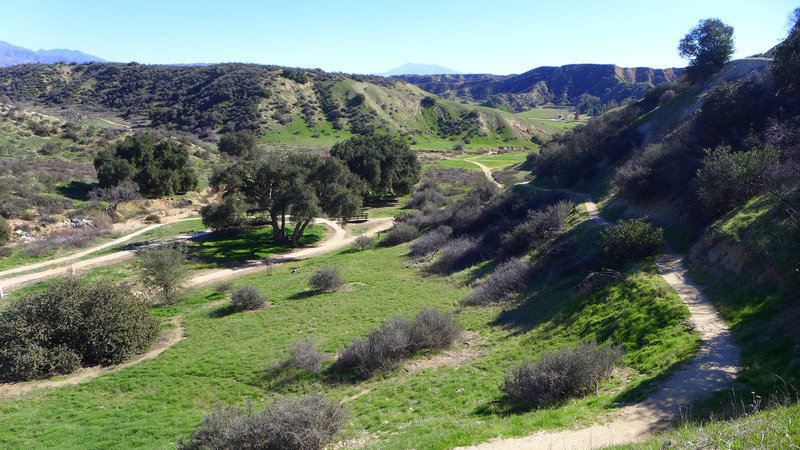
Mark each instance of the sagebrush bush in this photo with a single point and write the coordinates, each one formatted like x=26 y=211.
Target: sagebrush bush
x=561 y=374
x=326 y=278
x=540 y=227
x=400 y=233
x=457 y=254
x=430 y=242
x=70 y=324
x=428 y=196
x=507 y=280
x=309 y=422
x=305 y=355
x=381 y=350
x=630 y=241
x=364 y=242
x=247 y=298
x=433 y=329
x=384 y=348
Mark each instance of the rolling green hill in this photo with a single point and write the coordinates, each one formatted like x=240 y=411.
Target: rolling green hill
x=308 y=108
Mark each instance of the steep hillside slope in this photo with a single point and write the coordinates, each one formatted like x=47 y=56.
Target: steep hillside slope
x=228 y=97
x=563 y=85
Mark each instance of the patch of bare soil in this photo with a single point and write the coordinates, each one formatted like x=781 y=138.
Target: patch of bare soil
x=170 y=338
x=470 y=349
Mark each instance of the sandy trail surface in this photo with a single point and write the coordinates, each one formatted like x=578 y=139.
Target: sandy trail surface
x=336 y=240
x=486 y=171
x=63 y=266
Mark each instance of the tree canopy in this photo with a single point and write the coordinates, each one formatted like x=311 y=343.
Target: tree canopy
x=294 y=187
x=708 y=46
x=158 y=168
x=388 y=165
x=243 y=144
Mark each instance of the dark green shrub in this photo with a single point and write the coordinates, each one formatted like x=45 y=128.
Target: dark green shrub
x=540 y=227
x=326 y=278
x=630 y=241
x=728 y=179
x=164 y=267
x=224 y=216
x=309 y=422
x=70 y=324
x=5 y=231
x=400 y=233
x=561 y=374
x=247 y=298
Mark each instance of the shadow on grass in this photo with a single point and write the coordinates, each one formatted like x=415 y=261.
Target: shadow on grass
x=243 y=246
x=222 y=311
x=77 y=190
x=505 y=407
x=302 y=295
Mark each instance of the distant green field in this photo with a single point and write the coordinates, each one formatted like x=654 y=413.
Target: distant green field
x=547 y=113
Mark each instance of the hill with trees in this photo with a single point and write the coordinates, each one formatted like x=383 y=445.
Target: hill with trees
x=222 y=98
x=570 y=84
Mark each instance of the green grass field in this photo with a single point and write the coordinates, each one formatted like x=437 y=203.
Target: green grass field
x=224 y=356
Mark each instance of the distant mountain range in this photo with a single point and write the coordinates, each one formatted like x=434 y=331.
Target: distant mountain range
x=562 y=85
x=417 y=69
x=11 y=55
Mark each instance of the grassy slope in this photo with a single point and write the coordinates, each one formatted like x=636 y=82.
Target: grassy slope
x=223 y=358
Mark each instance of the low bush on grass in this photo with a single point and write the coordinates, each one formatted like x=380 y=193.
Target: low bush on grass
x=71 y=324
x=305 y=423
x=630 y=241
x=326 y=279
x=430 y=242
x=305 y=355
x=507 y=280
x=247 y=298
x=223 y=288
x=562 y=374
x=400 y=233
x=363 y=243
x=384 y=348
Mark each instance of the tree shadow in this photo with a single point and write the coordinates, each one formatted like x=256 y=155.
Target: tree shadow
x=77 y=190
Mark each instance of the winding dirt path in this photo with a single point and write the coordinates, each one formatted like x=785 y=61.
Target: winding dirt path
x=486 y=171
x=336 y=240
x=715 y=366
x=172 y=337
x=58 y=265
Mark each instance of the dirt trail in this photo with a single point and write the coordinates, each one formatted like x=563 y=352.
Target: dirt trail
x=338 y=239
x=486 y=171
x=60 y=269
x=713 y=368
x=172 y=337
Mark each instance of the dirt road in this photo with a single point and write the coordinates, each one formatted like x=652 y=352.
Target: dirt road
x=64 y=266
x=486 y=171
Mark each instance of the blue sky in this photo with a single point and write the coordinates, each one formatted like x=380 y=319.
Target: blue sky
x=500 y=36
